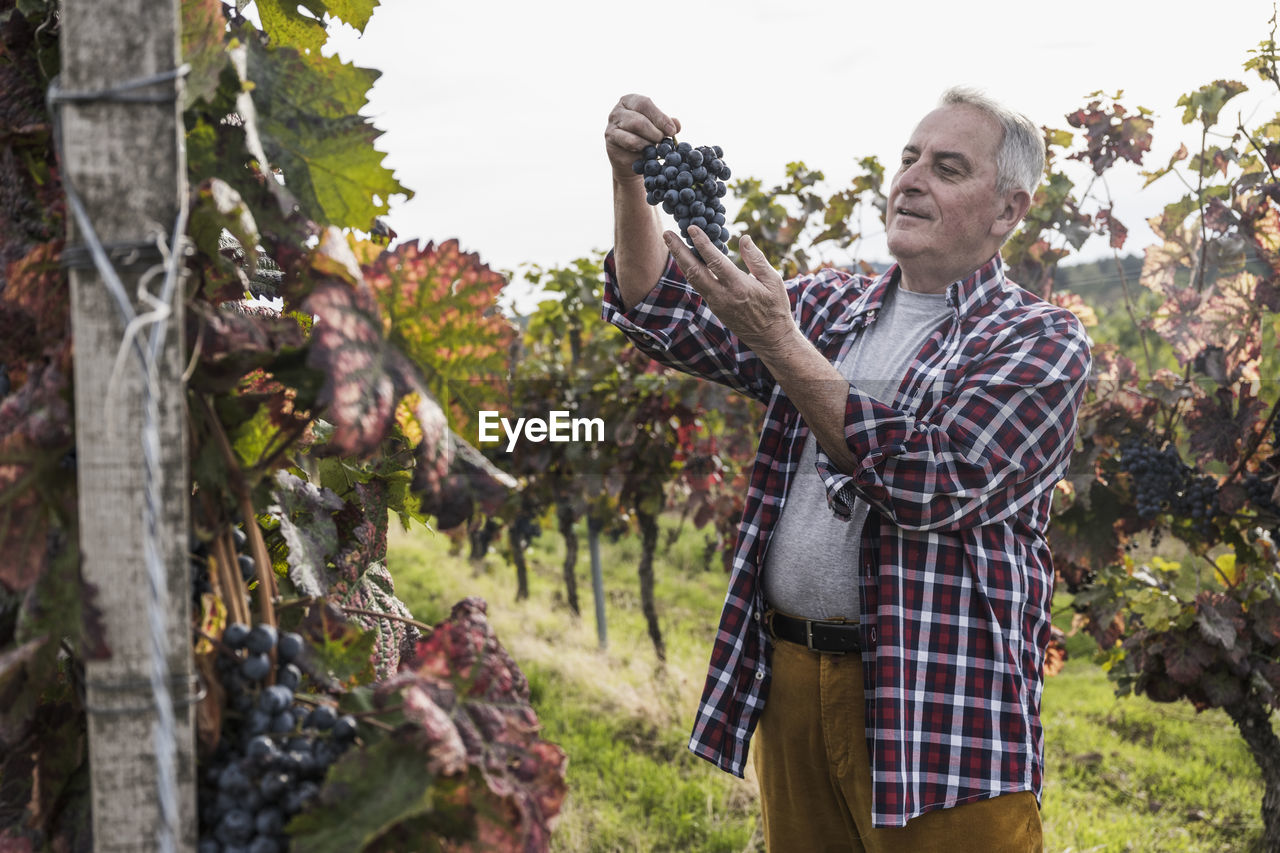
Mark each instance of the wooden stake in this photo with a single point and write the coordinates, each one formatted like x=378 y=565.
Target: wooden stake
x=127 y=162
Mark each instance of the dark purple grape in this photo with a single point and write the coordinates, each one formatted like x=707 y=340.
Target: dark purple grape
x=248 y=570
x=289 y=675
x=289 y=646
x=275 y=699
x=260 y=748
x=273 y=786
x=322 y=717
x=345 y=727
x=233 y=779
x=262 y=639
x=236 y=827
x=283 y=722
x=256 y=667
x=235 y=635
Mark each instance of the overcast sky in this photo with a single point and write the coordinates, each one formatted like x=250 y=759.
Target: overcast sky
x=494 y=112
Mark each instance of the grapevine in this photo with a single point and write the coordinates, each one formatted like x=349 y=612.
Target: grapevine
x=689 y=183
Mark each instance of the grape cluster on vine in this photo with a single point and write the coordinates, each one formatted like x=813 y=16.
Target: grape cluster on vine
x=1163 y=483
x=274 y=750
x=1262 y=493
x=689 y=183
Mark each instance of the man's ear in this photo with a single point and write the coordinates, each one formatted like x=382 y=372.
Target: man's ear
x=1016 y=204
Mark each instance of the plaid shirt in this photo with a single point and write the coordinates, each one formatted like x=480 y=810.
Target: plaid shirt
x=956 y=573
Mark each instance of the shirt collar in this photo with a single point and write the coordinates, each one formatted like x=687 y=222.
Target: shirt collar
x=980 y=286
x=963 y=295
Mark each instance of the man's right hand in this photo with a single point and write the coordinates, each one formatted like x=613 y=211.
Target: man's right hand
x=639 y=253
x=634 y=123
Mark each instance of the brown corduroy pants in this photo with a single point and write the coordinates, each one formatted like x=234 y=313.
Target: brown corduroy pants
x=810 y=754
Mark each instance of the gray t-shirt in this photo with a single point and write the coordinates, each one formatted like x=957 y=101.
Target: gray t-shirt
x=811 y=567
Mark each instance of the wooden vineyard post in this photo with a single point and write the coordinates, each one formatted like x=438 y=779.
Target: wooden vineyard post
x=597 y=580
x=123 y=157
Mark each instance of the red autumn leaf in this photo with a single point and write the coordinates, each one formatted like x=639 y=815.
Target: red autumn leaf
x=441 y=306
x=359 y=392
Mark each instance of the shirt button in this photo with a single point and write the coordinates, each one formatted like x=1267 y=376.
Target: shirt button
x=759 y=675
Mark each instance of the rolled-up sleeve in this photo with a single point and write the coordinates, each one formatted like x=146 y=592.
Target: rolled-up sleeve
x=675 y=327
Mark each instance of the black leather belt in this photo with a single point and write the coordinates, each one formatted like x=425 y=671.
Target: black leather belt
x=813 y=634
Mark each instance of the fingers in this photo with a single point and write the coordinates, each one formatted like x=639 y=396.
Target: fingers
x=634 y=122
x=757 y=264
x=658 y=120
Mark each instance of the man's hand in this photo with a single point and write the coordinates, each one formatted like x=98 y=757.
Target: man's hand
x=752 y=304
x=634 y=123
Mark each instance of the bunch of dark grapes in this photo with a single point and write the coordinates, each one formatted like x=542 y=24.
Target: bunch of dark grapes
x=1199 y=502
x=1261 y=493
x=1157 y=476
x=689 y=183
x=274 y=750
x=1162 y=482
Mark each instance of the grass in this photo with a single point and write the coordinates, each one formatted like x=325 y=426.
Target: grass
x=1121 y=774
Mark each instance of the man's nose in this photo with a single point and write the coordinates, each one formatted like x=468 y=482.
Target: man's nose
x=910 y=179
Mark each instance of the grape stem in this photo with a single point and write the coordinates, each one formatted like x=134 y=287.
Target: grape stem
x=235 y=479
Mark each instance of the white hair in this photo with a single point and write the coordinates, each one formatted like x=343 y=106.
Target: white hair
x=1020 y=158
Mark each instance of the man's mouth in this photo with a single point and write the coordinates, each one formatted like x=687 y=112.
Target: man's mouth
x=902 y=211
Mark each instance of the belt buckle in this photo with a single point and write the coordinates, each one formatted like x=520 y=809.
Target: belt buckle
x=808 y=638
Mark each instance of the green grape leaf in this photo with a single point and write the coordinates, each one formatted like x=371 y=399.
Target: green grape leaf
x=1206 y=102
x=307 y=32
x=366 y=794
x=305 y=512
x=1158 y=609
x=337 y=648
x=307 y=118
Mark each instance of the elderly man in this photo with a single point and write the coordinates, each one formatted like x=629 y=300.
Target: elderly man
x=884 y=633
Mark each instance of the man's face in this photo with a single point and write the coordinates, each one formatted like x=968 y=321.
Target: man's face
x=944 y=217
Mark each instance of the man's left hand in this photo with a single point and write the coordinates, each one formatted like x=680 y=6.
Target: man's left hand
x=752 y=304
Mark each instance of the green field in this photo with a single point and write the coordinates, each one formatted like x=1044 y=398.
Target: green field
x=1122 y=775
